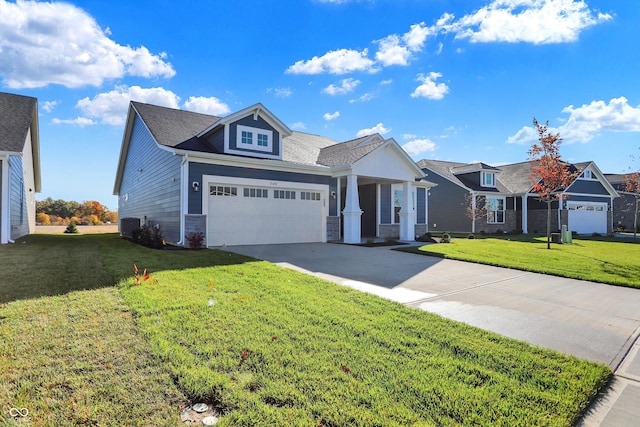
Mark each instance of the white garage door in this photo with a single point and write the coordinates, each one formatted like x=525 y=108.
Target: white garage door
x=587 y=218
x=250 y=212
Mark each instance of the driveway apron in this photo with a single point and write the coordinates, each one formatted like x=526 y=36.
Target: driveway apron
x=590 y=320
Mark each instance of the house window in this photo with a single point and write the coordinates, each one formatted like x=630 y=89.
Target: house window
x=219 y=190
x=247 y=137
x=488 y=179
x=284 y=194
x=495 y=210
x=588 y=175
x=261 y=193
x=254 y=138
x=309 y=195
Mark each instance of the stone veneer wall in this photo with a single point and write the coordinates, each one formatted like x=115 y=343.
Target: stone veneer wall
x=391 y=231
x=333 y=228
x=421 y=229
x=510 y=223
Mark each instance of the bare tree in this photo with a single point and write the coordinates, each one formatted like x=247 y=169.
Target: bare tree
x=476 y=208
x=632 y=185
x=550 y=175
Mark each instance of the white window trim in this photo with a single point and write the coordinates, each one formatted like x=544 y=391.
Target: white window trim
x=493 y=179
x=254 y=145
x=504 y=209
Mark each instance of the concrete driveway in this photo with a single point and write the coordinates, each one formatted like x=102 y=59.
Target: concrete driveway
x=589 y=320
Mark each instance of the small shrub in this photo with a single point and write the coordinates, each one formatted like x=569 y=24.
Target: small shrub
x=150 y=237
x=499 y=232
x=482 y=232
x=596 y=235
x=471 y=236
x=446 y=238
x=195 y=240
x=71 y=228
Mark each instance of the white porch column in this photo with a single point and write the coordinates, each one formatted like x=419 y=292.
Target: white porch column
x=525 y=218
x=352 y=212
x=407 y=213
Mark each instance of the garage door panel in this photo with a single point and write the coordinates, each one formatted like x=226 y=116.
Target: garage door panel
x=587 y=218
x=241 y=220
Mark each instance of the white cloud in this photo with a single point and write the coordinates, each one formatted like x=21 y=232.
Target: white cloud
x=58 y=43
x=416 y=36
x=346 y=86
x=429 y=88
x=531 y=21
x=78 y=121
x=331 y=116
x=408 y=135
x=525 y=136
x=391 y=52
x=379 y=128
x=362 y=98
x=386 y=82
x=281 y=92
x=111 y=107
x=588 y=121
x=418 y=146
x=298 y=126
x=206 y=105
x=340 y=61
x=48 y=106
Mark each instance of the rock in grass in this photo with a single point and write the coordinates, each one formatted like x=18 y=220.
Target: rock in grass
x=200 y=407
x=210 y=421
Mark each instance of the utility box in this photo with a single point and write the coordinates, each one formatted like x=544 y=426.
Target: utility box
x=556 y=238
x=127 y=225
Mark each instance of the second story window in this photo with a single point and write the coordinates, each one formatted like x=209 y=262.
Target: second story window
x=488 y=179
x=254 y=138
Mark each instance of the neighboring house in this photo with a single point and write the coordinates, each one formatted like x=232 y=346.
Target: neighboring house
x=248 y=179
x=19 y=165
x=624 y=207
x=481 y=198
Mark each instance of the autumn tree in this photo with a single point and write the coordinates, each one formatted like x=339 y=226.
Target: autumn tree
x=632 y=185
x=476 y=208
x=550 y=175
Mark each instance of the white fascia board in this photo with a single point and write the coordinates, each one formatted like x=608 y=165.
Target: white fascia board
x=250 y=162
x=256 y=109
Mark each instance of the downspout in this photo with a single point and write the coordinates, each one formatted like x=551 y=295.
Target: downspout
x=184 y=202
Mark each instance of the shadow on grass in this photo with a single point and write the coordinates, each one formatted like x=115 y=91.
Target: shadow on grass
x=45 y=265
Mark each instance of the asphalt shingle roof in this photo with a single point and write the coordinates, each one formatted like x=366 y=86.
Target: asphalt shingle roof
x=350 y=151
x=16 y=114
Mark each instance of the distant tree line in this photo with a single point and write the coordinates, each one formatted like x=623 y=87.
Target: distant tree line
x=62 y=212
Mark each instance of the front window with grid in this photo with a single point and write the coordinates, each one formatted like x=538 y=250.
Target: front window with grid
x=219 y=190
x=495 y=210
x=488 y=179
x=284 y=194
x=255 y=139
x=309 y=195
x=247 y=137
x=261 y=193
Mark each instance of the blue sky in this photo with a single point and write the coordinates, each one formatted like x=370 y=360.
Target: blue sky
x=448 y=80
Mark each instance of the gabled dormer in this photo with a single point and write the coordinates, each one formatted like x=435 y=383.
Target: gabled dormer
x=475 y=174
x=252 y=132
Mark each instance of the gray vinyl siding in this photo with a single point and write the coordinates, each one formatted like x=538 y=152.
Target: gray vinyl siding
x=471 y=180
x=1 y=198
x=217 y=140
x=587 y=186
x=260 y=123
x=447 y=205
x=19 y=218
x=150 y=188
x=421 y=195
x=385 y=204
x=624 y=211
x=197 y=170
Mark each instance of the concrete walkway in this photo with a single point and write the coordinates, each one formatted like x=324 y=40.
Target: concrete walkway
x=589 y=320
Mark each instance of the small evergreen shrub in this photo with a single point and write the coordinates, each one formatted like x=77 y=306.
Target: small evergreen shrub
x=150 y=237
x=471 y=236
x=71 y=228
x=446 y=238
x=499 y=232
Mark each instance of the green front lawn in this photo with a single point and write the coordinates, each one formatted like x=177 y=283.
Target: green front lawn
x=265 y=345
x=598 y=259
